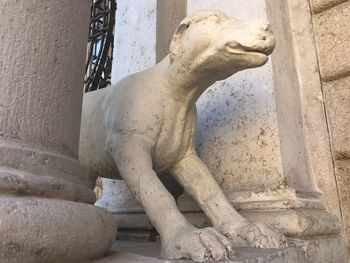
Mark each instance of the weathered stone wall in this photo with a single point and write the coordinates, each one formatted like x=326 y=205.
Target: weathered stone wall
x=238 y=128
x=135 y=40
x=332 y=34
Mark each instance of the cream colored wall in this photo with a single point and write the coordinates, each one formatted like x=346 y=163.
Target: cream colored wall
x=135 y=37
x=238 y=130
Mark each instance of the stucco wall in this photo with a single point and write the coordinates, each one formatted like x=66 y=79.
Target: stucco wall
x=135 y=37
x=332 y=34
x=238 y=131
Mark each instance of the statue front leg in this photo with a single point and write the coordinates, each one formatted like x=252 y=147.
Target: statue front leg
x=197 y=180
x=179 y=238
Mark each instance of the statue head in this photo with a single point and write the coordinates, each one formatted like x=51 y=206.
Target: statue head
x=211 y=42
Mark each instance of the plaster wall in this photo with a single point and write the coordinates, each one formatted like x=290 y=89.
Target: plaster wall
x=135 y=37
x=238 y=130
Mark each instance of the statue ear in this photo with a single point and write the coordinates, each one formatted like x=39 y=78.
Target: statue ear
x=175 y=45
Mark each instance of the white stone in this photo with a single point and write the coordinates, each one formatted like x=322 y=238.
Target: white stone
x=151 y=127
x=238 y=133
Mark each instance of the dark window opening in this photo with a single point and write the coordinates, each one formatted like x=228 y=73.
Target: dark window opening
x=100 y=45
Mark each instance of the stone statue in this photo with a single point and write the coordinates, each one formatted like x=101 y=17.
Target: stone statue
x=151 y=126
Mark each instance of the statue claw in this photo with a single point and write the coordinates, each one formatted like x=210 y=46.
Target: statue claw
x=254 y=234
x=200 y=245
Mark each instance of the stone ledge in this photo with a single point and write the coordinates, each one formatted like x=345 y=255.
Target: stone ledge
x=148 y=252
x=292 y=222
x=318 y=250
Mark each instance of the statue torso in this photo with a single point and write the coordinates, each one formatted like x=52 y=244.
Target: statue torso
x=139 y=106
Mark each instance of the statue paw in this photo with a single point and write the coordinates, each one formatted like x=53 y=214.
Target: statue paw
x=255 y=234
x=199 y=245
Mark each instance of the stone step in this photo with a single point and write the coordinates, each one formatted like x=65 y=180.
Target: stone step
x=148 y=252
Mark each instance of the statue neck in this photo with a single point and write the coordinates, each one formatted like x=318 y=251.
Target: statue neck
x=190 y=84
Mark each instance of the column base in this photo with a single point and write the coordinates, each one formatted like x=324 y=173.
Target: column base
x=27 y=170
x=40 y=230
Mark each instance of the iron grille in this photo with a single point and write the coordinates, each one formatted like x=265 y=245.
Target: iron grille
x=100 y=45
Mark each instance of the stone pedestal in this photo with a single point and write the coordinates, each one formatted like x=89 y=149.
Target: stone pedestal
x=45 y=195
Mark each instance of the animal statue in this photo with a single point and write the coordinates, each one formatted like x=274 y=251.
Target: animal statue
x=150 y=126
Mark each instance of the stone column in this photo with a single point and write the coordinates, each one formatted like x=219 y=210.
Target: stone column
x=45 y=195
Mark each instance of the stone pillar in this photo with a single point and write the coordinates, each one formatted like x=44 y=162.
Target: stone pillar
x=169 y=15
x=45 y=194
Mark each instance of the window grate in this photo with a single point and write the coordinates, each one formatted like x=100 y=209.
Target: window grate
x=100 y=45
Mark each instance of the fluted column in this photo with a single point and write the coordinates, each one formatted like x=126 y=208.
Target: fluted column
x=45 y=195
